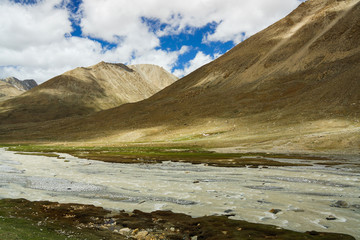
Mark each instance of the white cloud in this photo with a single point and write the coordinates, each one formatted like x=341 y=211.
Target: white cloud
x=159 y=57
x=108 y=19
x=23 y=26
x=199 y=60
x=35 y=39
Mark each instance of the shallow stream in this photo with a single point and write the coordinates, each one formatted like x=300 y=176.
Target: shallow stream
x=304 y=198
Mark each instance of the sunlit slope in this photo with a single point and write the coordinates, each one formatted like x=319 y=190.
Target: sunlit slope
x=86 y=90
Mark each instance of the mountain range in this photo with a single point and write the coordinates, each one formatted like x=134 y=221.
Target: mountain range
x=292 y=87
x=86 y=90
x=11 y=87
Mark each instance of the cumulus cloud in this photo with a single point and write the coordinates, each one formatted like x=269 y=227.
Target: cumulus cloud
x=199 y=60
x=109 y=19
x=36 y=39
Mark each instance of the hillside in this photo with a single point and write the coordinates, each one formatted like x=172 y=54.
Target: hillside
x=294 y=86
x=86 y=90
x=11 y=87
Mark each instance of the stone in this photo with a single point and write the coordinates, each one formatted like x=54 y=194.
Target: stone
x=141 y=235
x=340 y=204
x=135 y=231
x=194 y=238
x=125 y=231
x=275 y=211
x=331 y=217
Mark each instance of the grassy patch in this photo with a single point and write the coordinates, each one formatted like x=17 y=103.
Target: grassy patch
x=193 y=155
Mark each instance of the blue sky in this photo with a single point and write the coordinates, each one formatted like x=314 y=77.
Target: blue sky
x=43 y=38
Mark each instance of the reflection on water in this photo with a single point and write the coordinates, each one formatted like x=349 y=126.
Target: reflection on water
x=303 y=197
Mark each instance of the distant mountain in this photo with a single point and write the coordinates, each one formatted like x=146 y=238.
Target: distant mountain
x=21 y=84
x=86 y=90
x=11 y=87
x=294 y=86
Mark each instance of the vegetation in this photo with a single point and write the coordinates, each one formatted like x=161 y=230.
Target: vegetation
x=22 y=219
x=152 y=154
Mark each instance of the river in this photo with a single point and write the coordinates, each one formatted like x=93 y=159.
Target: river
x=305 y=198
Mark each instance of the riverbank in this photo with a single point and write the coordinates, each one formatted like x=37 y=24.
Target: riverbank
x=298 y=198
x=22 y=219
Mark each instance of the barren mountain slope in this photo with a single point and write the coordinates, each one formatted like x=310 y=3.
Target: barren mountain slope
x=11 y=87
x=8 y=91
x=86 y=90
x=293 y=86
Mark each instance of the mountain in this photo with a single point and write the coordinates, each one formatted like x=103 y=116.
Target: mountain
x=294 y=86
x=11 y=87
x=86 y=90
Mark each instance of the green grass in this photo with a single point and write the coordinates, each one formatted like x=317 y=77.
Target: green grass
x=146 y=154
x=24 y=220
x=21 y=228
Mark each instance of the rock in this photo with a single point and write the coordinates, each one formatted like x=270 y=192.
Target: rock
x=313 y=233
x=298 y=210
x=135 y=232
x=125 y=231
x=275 y=211
x=141 y=235
x=340 y=204
x=172 y=229
x=194 y=238
x=331 y=217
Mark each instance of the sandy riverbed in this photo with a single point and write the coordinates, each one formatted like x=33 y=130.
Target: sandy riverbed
x=306 y=196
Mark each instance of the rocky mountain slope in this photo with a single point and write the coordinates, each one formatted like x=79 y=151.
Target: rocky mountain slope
x=86 y=90
x=11 y=87
x=293 y=86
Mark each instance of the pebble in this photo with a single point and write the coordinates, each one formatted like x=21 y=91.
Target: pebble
x=135 y=231
x=194 y=238
x=331 y=217
x=275 y=211
x=141 y=235
x=340 y=204
x=125 y=231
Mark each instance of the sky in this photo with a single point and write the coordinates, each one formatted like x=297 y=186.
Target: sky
x=40 y=39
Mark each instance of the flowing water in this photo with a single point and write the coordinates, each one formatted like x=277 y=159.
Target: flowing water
x=308 y=197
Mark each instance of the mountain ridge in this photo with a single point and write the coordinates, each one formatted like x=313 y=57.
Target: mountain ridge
x=293 y=86
x=85 y=90
x=11 y=87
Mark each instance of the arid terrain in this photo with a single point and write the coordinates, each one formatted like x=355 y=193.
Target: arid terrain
x=268 y=133
x=292 y=87
x=12 y=87
x=85 y=90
